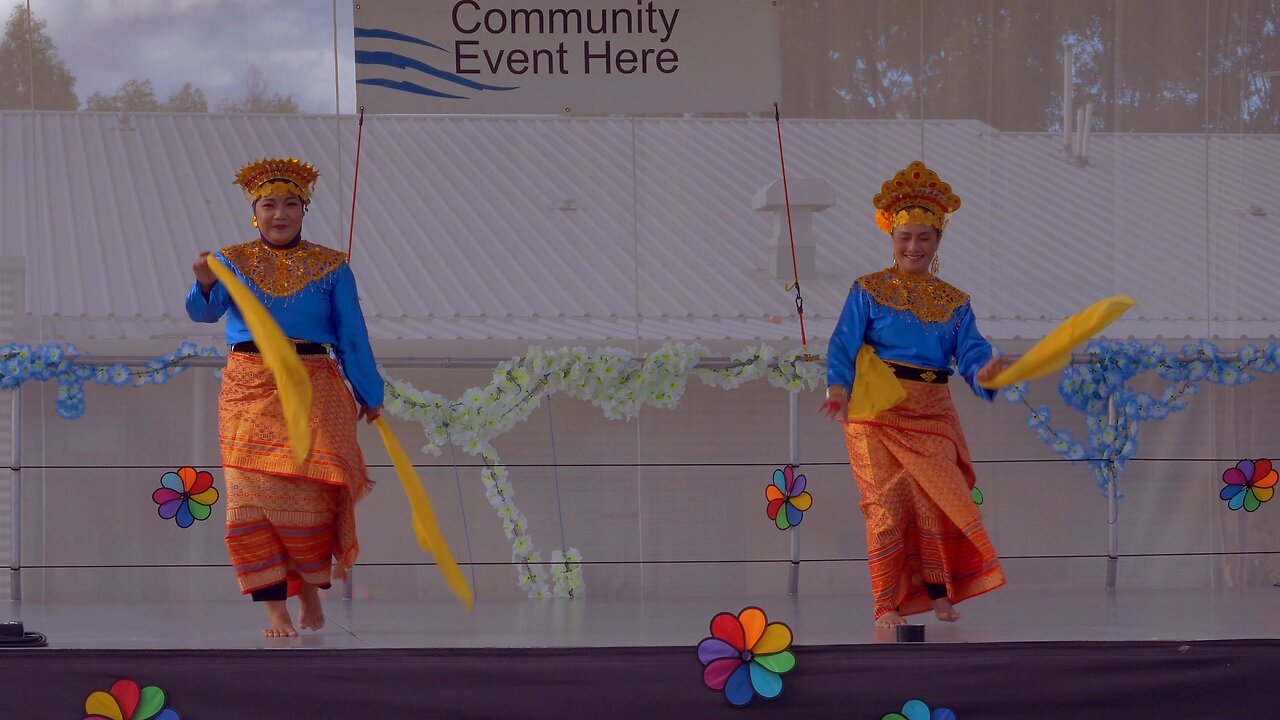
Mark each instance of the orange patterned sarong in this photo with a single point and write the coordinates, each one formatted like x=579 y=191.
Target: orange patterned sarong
x=285 y=517
x=912 y=468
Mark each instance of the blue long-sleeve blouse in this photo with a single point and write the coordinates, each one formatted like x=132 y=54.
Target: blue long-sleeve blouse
x=310 y=291
x=917 y=320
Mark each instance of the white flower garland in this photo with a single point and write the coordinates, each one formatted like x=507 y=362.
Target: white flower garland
x=609 y=379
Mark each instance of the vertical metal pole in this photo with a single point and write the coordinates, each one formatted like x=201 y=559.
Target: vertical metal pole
x=794 y=585
x=1086 y=128
x=1113 y=537
x=1079 y=134
x=15 y=497
x=348 y=583
x=1068 y=60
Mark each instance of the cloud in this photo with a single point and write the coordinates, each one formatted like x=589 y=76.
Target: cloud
x=208 y=43
x=100 y=10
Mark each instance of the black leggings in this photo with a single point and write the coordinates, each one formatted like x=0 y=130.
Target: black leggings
x=935 y=592
x=280 y=591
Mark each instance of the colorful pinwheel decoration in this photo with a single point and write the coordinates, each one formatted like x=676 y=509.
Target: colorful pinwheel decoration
x=746 y=656
x=1249 y=484
x=127 y=701
x=917 y=710
x=185 y=496
x=787 y=498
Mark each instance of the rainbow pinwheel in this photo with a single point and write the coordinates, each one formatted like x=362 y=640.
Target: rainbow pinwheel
x=185 y=496
x=746 y=656
x=1249 y=484
x=917 y=710
x=127 y=701
x=787 y=498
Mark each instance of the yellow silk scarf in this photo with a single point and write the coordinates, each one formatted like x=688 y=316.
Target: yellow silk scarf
x=1053 y=352
x=875 y=387
x=278 y=355
x=424 y=519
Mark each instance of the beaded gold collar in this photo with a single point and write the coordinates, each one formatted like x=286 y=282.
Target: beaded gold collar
x=925 y=296
x=280 y=272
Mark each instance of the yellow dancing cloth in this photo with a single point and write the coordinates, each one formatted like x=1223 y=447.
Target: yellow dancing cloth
x=912 y=468
x=875 y=387
x=253 y=438
x=1053 y=352
x=278 y=353
x=424 y=518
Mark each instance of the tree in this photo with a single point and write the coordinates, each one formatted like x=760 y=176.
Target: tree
x=139 y=96
x=188 y=98
x=32 y=76
x=999 y=62
x=1243 y=88
x=1202 y=66
x=850 y=59
x=257 y=97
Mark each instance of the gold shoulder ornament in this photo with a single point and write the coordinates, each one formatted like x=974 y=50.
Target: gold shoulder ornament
x=280 y=273
x=927 y=297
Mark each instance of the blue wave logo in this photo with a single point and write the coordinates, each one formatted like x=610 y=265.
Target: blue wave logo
x=398 y=61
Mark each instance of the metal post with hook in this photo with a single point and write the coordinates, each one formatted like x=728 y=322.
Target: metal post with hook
x=1113 y=537
x=15 y=497
x=793 y=586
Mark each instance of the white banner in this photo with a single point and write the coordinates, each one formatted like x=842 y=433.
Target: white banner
x=566 y=56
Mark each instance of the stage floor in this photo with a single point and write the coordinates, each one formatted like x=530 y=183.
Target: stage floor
x=1007 y=615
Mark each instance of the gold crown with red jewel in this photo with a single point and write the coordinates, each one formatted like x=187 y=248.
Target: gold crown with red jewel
x=277 y=176
x=915 y=195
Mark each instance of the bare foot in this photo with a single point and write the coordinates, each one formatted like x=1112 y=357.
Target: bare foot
x=943 y=610
x=281 y=625
x=311 y=614
x=890 y=619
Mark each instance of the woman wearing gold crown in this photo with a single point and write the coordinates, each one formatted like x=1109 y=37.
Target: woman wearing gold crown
x=926 y=546
x=287 y=521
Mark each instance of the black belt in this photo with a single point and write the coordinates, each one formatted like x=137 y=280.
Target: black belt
x=303 y=348
x=925 y=375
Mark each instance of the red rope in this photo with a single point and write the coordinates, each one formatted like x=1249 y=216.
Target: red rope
x=795 y=268
x=355 y=186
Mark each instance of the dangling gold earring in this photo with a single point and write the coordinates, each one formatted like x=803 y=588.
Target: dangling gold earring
x=933 y=266
x=254 y=221
x=895 y=261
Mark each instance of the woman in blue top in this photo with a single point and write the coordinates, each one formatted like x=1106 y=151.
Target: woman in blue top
x=288 y=521
x=926 y=546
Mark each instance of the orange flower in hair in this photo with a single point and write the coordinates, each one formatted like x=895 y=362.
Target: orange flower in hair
x=884 y=221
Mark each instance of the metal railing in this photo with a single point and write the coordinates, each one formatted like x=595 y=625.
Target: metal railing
x=15 y=455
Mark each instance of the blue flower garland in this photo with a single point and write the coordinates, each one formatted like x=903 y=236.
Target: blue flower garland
x=1088 y=388
x=21 y=363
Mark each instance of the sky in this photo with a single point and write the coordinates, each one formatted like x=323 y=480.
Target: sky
x=209 y=43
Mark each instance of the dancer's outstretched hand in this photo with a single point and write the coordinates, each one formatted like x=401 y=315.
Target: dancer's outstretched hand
x=369 y=415
x=836 y=407
x=992 y=368
x=204 y=274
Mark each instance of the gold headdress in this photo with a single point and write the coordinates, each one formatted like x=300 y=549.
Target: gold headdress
x=915 y=195
x=272 y=176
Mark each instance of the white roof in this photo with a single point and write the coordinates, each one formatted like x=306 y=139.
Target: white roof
x=597 y=231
